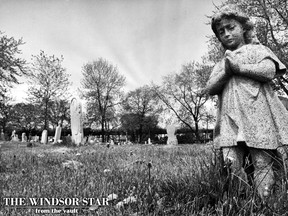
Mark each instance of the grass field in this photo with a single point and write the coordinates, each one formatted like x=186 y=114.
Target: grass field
x=136 y=179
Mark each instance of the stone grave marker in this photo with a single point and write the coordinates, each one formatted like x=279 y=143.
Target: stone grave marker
x=91 y=140
x=76 y=121
x=14 y=136
x=57 y=136
x=36 y=138
x=172 y=139
x=44 y=137
x=2 y=135
x=24 y=137
x=112 y=142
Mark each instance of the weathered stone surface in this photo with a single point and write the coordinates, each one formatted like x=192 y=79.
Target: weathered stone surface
x=172 y=139
x=112 y=142
x=2 y=136
x=35 y=138
x=249 y=110
x=44 y=137
x=76 y=121
x=57 y=136
x=250 y=115
x=24 y=137
x=14 y=136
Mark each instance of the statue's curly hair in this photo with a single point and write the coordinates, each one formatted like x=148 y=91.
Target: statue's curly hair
x=233 y=12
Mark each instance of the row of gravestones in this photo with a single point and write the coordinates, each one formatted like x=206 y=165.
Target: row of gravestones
x=44 y=136
x=44 y=139
x=172 y=139
x=76 y=125
x=77 y=129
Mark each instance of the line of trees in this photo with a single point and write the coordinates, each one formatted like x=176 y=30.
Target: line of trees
x=102 y=84
x=140 y=113
x=183 y=94
x=48 y=83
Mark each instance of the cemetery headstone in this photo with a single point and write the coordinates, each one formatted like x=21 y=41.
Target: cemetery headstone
x=91 y=140
x=44 y=137
x=2 y=135
x=172 y=139
x=76 y=121
x=24 y=137
x=112 y=142
x=14 y=136
x=57 y=136
x=36 y=138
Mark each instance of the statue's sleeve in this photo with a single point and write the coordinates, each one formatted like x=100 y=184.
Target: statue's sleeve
x=255 y=62
x=218 y=78
x=280 y=67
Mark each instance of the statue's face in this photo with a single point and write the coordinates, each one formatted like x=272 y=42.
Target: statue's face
x=231 y=33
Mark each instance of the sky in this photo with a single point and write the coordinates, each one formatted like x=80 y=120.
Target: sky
x=144 y=39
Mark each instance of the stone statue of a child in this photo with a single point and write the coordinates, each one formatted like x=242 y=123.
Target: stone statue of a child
x=250 y=116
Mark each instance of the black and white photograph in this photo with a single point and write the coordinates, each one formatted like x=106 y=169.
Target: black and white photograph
x=143 y=107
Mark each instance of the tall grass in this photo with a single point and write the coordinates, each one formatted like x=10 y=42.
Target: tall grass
x=158 y=180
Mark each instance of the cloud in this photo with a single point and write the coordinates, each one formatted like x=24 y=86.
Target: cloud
x=145 y=39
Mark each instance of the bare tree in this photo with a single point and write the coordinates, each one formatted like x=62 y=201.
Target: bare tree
x=25 y=116
x=183 y=94
x=59 y=112
x=5 y=108
x=48 y=81
x=11 y=66
x=140 y=104
x=102 y=84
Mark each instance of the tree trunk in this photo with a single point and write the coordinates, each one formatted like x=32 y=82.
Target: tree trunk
x=103 y=128
x=46 y=115
x=4 y=125
x=107 y=131
x=140 y=133
x=197 y=131
x=206 y=134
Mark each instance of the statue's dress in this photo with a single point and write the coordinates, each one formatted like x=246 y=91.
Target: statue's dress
x=248 y=110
